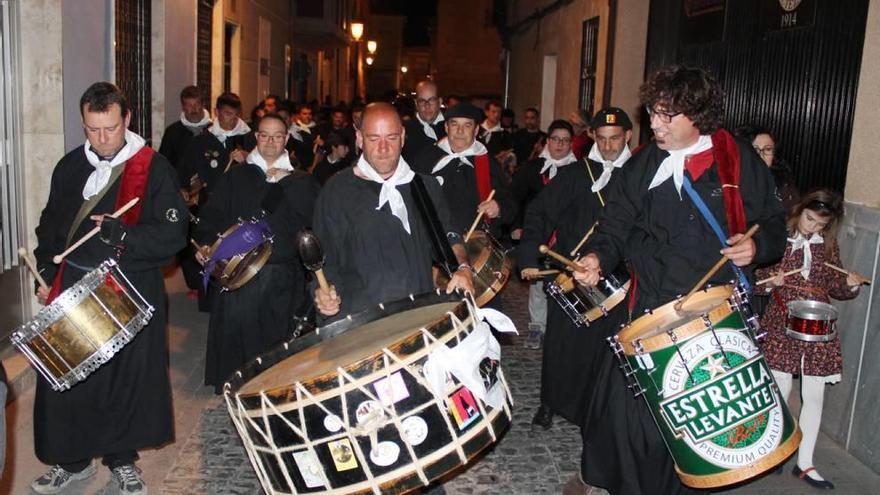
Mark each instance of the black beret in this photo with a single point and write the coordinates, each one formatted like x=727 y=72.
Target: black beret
x=611 y=116
x=465 y=110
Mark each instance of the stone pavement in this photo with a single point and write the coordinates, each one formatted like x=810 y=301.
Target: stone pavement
x=208 y=457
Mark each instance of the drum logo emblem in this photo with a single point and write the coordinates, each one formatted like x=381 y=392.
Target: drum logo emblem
x=724 y=406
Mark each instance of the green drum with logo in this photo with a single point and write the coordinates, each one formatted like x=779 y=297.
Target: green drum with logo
x=709 y=388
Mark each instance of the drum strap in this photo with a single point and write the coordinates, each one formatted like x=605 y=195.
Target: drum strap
x=89 y=204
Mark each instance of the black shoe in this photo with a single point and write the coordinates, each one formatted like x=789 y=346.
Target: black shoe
x=543 y=418
x=822 y=485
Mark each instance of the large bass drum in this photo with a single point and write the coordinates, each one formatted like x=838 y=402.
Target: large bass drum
x=356 y=413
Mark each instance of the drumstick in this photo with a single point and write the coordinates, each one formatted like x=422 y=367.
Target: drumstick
x=231 y=159
x=841 y=270
x=714 y=269
x=322 y=280
x=560 y=258
x=116 y=214
x=586 y=236
x=32 y=266
x=479 y=216
x=541 y=273
x=764 y=281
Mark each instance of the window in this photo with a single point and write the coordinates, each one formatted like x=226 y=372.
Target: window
x=589 y=54
x=228 y=37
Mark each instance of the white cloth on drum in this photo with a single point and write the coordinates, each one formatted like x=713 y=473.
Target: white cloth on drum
x=463 y=360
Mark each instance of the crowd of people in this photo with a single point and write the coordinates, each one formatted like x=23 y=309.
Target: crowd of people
x=353 y=173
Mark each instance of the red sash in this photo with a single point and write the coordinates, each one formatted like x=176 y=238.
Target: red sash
x=484 y=181
x=133 y=184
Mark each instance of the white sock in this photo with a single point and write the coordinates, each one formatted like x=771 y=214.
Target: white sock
x=783 y=380
x=813 y=396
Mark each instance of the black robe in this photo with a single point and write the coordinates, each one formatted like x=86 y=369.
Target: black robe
x=670 y=247
x=523 y=143
x=126 y=404
x=324 y=169
x=460 y=189
x=525 y=184
x=303 y=149
x=252 y=319
x=495 y=141
x=569 y=208
x=417 y=140
x=370 y=258
x=208 y=157
x=175 y=141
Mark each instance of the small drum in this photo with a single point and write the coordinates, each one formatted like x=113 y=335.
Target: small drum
x=709 y=389
x=84 y=327
x=239 y=253
x=490 y=266
x=585 y=305
x=811 y=321
x=354 y=413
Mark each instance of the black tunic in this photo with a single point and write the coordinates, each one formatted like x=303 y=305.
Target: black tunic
x=324 y=169
x=460 y=189
x=126 y=404
x=304 y=149
x=417 y=140
x=250 y=320
x=523 y=142
x=495 y=141
x=175 y=141
x=670 y=247
x=208 y=157
x=525 y=184
x=370 y=258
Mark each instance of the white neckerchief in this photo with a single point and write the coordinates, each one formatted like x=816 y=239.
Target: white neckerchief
x=389 y=193
x=476 y=149
x=553 y=165
x=307 y=128
x=221 y=134
x=101 y=175
x=801 y=242
x=282 y=162
x=206 y=119
x=488 y=131
x=607 y=166
x=427 y=126
x=293 y=130
x=673 y=165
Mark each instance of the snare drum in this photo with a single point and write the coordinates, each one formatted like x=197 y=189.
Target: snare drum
x=709 y=389
x=84 y=327
x=585 y=305
x=490 y=266
x=239 y=253
x=355 y=414
x=811 y=321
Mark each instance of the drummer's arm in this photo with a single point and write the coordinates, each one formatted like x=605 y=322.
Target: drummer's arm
x=462 y=277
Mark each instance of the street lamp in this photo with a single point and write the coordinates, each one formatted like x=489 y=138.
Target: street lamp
x=357 y=30
x=404 y=69
x=369 y=60
x=371 y=46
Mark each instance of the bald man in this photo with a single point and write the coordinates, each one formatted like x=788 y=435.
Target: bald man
x=428 y=127
x=376 y=243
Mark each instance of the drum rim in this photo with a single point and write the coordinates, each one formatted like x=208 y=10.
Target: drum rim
x=808 y=337
x=793 y=307
x=690 y=328
x=269 y=359
x=249 y=274
x=608 y=304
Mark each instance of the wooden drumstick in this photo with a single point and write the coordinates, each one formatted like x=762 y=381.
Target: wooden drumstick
x=479 y=216
x=714 y=269
x=322 y=280
x=541 y=273
x=32 y=266
x=574 y=251
x=116 y=214
x=843 y=271
x=231 y=159
x=764 y=281
x=560 y=258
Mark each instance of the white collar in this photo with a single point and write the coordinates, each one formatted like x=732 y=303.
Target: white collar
x=282 y=162
x=802 y=243
x=206 y=119
x=427 y=127
x=673 y=165
x=307 y=128
x=221 y=134
x=103 y=168
x=496 y=128
x=475 y=149
x=607 y=166
x=389 y=193
x=552 y=164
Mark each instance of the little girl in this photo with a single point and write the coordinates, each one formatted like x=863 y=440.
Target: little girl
x=812 y=228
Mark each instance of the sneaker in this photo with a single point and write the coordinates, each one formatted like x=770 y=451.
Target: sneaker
x=57 y=478
x=534 y=339
x=129 y=478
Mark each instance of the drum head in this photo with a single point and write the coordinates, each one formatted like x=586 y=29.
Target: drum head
x=812 y=310
x=350 y=347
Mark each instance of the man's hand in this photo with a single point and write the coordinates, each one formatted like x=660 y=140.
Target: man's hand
x=112 y=230
x=42 y=294
x=327 y=301
x=202 y=254
x=463 y=279
x=741 y=255
x=238 y=155
x=489 y=208
x=529 y=273
x=592 y=270
x=853 y=279
x=516 y=234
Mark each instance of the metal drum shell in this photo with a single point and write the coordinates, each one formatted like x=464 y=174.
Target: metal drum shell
x=799 y=313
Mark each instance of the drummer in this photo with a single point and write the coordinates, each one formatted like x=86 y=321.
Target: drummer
x=812 y=228
x=651 y=220
x=125 y=406
x=375 y=241
x=250 y=320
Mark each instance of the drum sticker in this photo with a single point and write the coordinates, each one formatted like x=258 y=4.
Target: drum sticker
x=385 y=454
x=464 y=407
x=332 y=423
x=723 y=406
x=342 y=454
x=415 y=430
x=309 y=469
x=365 y=410
x=391 y=389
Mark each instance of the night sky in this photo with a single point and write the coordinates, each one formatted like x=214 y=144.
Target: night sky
x=419 y=15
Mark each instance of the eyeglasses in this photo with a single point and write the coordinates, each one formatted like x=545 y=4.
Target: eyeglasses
x=262 y=136
x=663 y=116
x=430 y=101
x=559 y=140
x=765 y=151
